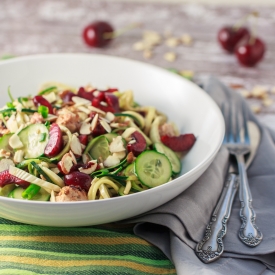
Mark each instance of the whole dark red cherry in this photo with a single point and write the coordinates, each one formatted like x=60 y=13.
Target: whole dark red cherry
x=98 y=34
x=251 y=53
x=229 y=37
x=78 y=179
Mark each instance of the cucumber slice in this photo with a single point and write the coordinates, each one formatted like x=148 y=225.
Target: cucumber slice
x=4 y=191
x=171 y=155
x=4 y=142
x=129 y=170
x=42 y=195
x=153 y=168
x=98 y=148
x=30 y=136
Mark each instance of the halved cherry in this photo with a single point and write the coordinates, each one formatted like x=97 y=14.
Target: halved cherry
x=84 y=94
x=179 y=143
x=40 y=100
x=138 y=144
x=67 y=95
x=55 y=143
x=83 y=139
x=7 y=178
x=77 y=178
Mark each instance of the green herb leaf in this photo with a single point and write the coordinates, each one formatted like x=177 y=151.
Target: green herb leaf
x=43 y=110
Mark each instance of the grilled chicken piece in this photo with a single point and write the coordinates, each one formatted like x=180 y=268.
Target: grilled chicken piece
x=71 y=193
x=68 y=119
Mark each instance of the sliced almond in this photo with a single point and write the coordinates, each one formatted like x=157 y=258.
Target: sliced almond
x=80 y=101
x=94 y=122
x=255 y=108
x=117 y=145
x=15 y=142
x=85 y=158
x=51 y=117
x=259 y=92
x=120 y=155
x=172 y=42
x=267 y=102
x=73 y=157
x=18 y=156
x=106 y=126
x=186 y=39
x=128 y=132
x=139 y=46
x=94 y=109
x=170 y=56
x=12 y=124
x=109 y=116
x=5 y=164
x=66 y=163
x=91 y=168
x=82 y=115
x=147 y=54
x=75 y=145
x=84 y=109
x=51 y=97
x=111 y=161
x=85 y=128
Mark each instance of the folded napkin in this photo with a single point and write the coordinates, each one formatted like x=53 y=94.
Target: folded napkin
x=161 y=241
x=178 y=225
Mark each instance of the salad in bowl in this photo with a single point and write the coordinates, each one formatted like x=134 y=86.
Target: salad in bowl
x=68 y=144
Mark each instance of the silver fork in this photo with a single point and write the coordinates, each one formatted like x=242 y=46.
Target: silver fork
x=249 y=232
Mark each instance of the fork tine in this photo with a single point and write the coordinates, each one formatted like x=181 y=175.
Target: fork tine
x=231 y=134
x=245 y=119
x=238 y=128
x=225 y=138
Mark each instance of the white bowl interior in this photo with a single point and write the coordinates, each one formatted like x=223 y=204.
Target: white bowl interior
x=184 y=103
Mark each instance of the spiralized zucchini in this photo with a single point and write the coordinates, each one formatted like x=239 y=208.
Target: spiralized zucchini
x=99 y=137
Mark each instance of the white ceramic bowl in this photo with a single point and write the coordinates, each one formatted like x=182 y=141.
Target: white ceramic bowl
x=184 y=102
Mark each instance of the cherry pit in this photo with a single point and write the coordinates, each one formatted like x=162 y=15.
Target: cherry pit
x=243 y=42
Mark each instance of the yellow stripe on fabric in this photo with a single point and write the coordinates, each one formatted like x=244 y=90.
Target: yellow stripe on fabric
x=77 y=240
x=57 y=264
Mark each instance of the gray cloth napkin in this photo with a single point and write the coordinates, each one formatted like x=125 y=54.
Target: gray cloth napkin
x=178 y=225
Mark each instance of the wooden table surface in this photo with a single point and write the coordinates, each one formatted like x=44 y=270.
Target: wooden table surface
x=49 y=26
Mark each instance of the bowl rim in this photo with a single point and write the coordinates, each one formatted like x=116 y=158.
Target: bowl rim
x=188 y=174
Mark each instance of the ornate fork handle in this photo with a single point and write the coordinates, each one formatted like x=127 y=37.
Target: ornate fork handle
x=249 y=232
x=211 y=247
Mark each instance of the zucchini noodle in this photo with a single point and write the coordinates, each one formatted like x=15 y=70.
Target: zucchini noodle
x=85 y=144
x=96 y=184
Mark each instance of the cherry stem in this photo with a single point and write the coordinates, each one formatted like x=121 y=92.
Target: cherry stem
x=110 y=35
x=240 y=23
x=253 y=32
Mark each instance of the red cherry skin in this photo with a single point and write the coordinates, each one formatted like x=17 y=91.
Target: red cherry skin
x=229 y=38
x=78 y=179
x=7 y=178
x=67 y=95
x=179 y=143
x=55 y=143
x=139 y=146
x=40 y=100
x=93 y=34
x=250 y=54
x=84 y=94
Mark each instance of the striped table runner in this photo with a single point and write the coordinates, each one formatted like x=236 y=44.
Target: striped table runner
x=105 y=249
